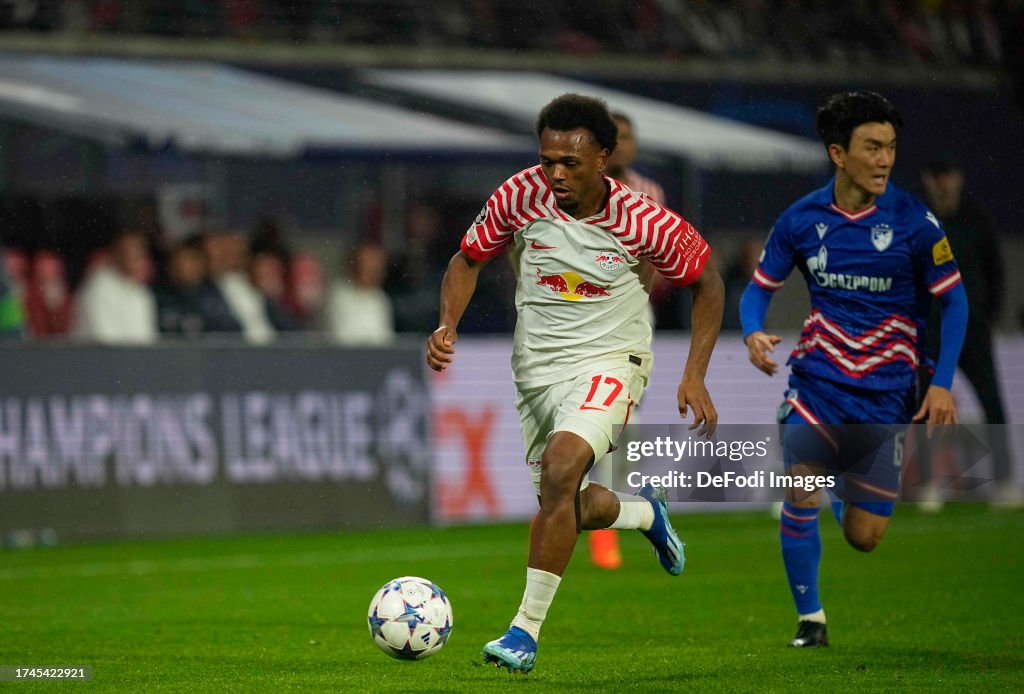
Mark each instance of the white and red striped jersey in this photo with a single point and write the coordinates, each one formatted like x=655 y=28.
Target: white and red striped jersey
x=579 y=298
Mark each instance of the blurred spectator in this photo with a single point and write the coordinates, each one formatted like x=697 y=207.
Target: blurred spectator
x=620 y=163
x=416 y=273
x=270 y=270
x=115 y=305
x=306 y=292
x=47 y=296
x=188 y=303
x=229 y=259
x=268 y=276
x=270 y=237
x=358 y=310
x=975 y=244
x=142 y=213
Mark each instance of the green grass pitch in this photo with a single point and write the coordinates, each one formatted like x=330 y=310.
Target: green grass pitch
x=939 y=606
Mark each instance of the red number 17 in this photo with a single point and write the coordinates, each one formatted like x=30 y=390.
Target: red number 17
x=595 y=383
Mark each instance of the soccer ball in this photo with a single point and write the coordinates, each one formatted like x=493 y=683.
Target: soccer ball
x=410 y=618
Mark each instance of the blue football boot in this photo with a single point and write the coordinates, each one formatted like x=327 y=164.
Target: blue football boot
x=516 y=650
x=667 y=545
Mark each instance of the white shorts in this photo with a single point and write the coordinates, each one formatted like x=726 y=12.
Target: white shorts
x=590 y=406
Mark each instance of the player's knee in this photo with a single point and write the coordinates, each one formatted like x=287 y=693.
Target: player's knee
x=558 y=482
x=864 y=539
x=561 y=473
x=801 y=498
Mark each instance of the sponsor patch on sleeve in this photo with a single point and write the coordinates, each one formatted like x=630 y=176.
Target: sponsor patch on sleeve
x=941 y=252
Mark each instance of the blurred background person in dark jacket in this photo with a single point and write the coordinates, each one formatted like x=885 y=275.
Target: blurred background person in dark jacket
x=975 y=243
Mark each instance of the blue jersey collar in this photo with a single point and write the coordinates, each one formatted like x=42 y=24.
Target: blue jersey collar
x=824 y=197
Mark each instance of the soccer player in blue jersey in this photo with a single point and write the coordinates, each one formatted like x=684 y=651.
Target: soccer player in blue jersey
x=872 y=256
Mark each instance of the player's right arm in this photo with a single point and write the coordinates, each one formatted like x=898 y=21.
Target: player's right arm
x=457 y=289
x=772 y=269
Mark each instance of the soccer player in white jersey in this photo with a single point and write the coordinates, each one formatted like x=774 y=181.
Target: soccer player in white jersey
x=581 y=355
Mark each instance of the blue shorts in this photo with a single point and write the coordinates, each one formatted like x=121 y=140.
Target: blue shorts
x=852 y=433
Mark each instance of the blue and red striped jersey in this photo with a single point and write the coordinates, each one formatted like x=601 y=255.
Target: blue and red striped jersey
x=870 y=276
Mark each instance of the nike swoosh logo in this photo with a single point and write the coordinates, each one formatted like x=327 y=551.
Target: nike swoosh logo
x=537 y=247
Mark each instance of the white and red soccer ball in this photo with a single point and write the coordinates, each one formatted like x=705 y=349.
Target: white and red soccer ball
x=410 y=618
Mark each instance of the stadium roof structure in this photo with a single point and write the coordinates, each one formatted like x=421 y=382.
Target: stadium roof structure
x=705 y=141
x=207 y=108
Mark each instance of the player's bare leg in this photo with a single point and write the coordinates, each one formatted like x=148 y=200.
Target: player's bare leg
x=552 y=540
x=801 y=554
x=863 y=530
x=646 y=511
x=553 y=536
x=599 y=507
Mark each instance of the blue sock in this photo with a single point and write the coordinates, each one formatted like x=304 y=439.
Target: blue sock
x=801 y=553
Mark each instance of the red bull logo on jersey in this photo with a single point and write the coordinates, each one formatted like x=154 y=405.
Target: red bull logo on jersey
x=609 y=262
x=571 y=286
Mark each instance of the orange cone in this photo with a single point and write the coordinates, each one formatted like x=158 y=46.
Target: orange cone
x=604 y=549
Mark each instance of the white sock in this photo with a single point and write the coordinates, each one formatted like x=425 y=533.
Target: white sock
x=540 y=591
x=818 y=617
x=635 y=513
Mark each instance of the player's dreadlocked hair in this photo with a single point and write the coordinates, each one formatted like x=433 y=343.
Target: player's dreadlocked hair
x=843 y=112
x=571 y=111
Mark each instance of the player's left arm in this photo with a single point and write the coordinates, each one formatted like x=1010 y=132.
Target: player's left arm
x=938 y=408
x=935 y=262
x=708 y=305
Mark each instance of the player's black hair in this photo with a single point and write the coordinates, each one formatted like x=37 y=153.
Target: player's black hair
x=571 y=111
x=843 y=112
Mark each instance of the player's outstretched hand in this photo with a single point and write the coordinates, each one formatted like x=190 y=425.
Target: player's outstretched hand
x=938 y=409
x=758 y=346
x=440 y=350
x=694 y=395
